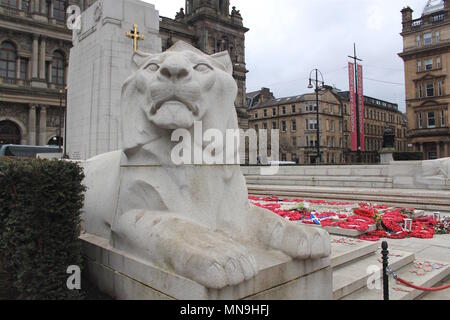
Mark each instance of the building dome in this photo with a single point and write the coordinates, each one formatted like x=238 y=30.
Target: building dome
x=433 y=6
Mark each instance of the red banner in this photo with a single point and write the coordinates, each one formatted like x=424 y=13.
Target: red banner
x=352 y=94
x=361 y=108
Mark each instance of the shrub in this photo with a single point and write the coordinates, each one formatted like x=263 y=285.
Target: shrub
x=40 y=207
x=408 y=156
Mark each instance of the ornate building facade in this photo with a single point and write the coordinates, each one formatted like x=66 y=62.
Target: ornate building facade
x=296 y=118
x=34 y=54
x=34 y=51
x=426 y=55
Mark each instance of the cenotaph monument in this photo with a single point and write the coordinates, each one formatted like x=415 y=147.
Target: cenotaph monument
x=99 y=64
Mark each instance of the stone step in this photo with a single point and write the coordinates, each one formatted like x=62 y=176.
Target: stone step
x=419 y=199
x=355 y=274
x=328 y=171
x=428 y=280
x=344 y=250
x=324 y=181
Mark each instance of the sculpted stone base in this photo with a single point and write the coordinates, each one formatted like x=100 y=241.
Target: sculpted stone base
x=125 y=277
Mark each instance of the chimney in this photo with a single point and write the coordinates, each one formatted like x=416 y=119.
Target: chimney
x=407 y=18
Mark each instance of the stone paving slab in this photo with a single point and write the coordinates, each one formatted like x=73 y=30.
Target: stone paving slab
x=353 y=276
x=429 y=279
x=344 y=250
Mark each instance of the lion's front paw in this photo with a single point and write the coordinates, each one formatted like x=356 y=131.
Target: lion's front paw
x=297 y=241
x=204 y=256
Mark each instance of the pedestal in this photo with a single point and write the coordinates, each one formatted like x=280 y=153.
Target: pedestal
x=125 y=277
x=386 y=155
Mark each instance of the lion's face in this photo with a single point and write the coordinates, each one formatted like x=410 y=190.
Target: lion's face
x=174 y=89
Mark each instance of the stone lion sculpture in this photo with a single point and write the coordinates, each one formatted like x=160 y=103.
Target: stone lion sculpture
x=192 y=220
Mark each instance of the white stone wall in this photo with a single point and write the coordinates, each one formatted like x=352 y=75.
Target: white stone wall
x=99 y=64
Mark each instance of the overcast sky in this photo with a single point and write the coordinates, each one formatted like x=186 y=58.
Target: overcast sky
x=289 y=38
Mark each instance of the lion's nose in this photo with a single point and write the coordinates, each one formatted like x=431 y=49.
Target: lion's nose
x=174 y=72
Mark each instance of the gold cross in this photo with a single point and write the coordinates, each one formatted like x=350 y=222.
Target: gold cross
x=134 y=34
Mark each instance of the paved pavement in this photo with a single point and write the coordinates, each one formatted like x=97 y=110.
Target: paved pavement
x=437 y=249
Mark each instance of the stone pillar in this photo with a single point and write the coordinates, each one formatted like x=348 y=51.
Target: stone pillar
x=32 y=125
x=34 y=57
x=42 y=59
x=43 y=127
x=50 y=10
x=37 y=5
x=18 y=68
x=42 y=8
x=49 y=73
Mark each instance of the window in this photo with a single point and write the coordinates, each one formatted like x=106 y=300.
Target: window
x=256 y=127
x=419 y=65
x=265 y=113
x=332 y=125
x=9 y=3
x=438 y=62
x=437 y=36
x=274 y=125
x=418 y=40
x=312 y=124
x=442 y=118
x=265 y=125
x=274 y=112
x=59 y=9
x=294 y=125
x=26 y=5
x=431 y=120
x=427 y=38
x=283 y=157
x=428 y=64
x=8 y=62
x=283 y=126
x=307 y=141
x=419 y=91
x=419 y=120
x=430 y=89
x=283 y=110
x=23 y=68
x=58 y=71
x=439 y=88
x=293 y=109
x=256 y=115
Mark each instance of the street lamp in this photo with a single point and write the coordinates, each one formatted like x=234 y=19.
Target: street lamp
x=318 y=85
x=60 y=121
x=65 y=123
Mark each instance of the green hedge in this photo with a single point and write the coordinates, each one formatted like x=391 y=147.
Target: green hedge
x=408 y=156
x=40 y=209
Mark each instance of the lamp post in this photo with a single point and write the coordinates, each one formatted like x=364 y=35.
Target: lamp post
x=316 y=83
x=65 y=123
x=60 y=121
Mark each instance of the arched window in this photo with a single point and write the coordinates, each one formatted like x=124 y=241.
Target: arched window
x=9 y=133
x=59 y=9
x=58 y=77
x=8 y=59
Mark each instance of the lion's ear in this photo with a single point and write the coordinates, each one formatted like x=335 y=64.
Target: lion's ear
x=223 y=58
x=139 y=58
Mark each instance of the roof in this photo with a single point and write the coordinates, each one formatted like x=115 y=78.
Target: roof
x=280 y=101
x=433 y=6
x=373 y=102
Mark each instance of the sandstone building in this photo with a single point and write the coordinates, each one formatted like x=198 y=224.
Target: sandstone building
x=34 y=53
x=426 y=55
x=296 y=118
x=34 y=48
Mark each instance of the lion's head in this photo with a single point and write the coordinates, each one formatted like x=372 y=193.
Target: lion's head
x=173 y=89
